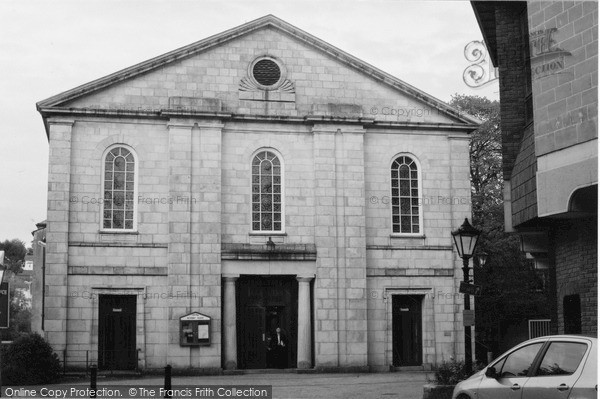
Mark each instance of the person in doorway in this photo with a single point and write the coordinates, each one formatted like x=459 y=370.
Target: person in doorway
x=279 y=348
x=270 y=352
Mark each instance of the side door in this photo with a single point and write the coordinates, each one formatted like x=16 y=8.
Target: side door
x=558 y=370
x=116 y=332
x=406 y=327
x=512 y=373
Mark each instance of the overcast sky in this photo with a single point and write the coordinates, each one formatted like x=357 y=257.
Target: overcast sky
x=47 y=47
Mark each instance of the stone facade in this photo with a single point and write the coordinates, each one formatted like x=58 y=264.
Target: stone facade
x=194 y=119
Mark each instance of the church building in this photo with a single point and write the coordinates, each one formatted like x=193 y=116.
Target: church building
x=256 y=180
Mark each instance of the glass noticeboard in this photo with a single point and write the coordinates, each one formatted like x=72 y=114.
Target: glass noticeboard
x=194 y=329
x=202 y=331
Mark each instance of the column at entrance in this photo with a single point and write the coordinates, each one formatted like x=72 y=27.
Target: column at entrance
x=229 y=323
x=304 y=323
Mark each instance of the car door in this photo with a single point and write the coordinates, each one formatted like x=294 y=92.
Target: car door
x=558 y=370
x=512 y=374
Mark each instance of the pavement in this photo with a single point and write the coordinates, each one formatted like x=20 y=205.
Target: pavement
x=398 y=385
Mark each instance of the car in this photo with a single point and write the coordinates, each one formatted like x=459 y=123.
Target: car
x=556 y=366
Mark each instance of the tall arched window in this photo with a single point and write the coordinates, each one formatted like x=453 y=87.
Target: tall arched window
x=118 y=211
x=406 y=206
x=267 y=211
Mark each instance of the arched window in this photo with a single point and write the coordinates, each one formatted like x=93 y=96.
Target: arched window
x=406 y=206
x=118 y=211
x=267 y=212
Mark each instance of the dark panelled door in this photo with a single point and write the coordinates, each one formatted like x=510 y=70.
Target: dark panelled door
x=254 y=354
x=116 y=332
x=406 y=335
x=263 y=304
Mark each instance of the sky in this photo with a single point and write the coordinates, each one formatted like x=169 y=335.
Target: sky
x=47 y=47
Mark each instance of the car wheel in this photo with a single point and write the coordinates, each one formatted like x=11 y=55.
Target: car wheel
x=463 y=396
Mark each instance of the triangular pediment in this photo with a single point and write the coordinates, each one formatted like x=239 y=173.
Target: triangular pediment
x=194 y=316
x=216 y=75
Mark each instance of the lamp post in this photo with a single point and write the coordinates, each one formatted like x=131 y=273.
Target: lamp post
x=465 y=241
x=482 y=257
x=2 y=270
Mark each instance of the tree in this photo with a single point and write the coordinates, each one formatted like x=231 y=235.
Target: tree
x=485 y=152
x=14 y=254
x=20 y=315
x=509 y=282
x=29 y=360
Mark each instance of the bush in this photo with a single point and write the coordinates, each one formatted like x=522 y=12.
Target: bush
x=451 y=373
x=29 y=360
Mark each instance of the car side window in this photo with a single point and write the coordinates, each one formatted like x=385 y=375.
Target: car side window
x=498 y=365
x=562 y=358
x=518 y=363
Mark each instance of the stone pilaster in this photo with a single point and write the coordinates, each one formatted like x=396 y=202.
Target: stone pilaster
x=325 y=289
x=179 y=252
x=57 y=236
x=206 y=236
x=340 y=288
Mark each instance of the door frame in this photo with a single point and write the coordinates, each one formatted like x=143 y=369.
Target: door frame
x=291 y=309
x=428 y=353
x=416 y=312
x=140 y=334
x=128 y=361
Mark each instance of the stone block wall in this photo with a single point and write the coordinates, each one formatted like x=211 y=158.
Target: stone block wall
x=424 y=264
x=294 y=143
x=566 y=99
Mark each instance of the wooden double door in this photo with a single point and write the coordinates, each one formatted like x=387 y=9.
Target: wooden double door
x=263 y=304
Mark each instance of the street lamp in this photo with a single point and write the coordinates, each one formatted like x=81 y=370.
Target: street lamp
x=2 y=270
x=482 y=257
x=2 y=267
x=465 y=240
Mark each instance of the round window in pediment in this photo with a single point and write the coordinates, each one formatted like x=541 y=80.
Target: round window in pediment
x=266 y=72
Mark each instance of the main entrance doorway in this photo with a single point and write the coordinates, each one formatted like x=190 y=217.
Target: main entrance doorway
x=407 y=342
x=116 y=332
x=263 y=304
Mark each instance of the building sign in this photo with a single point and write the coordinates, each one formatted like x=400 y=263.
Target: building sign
x=468 y=318
x=469 y=289
x=4 y=305
x=481 y=71
x=546 y=57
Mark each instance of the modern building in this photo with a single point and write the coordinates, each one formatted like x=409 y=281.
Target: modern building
x=547 y=56
x=256 y=179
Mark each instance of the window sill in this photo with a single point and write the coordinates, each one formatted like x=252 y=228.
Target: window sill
x=132 y=232
x=266 y=233
x=399 y=235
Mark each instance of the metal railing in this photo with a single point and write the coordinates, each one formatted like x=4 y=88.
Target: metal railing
x=539 y=328
x=105 y=360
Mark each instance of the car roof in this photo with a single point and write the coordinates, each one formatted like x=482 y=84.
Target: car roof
x=545 y=338
x=566 y=336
